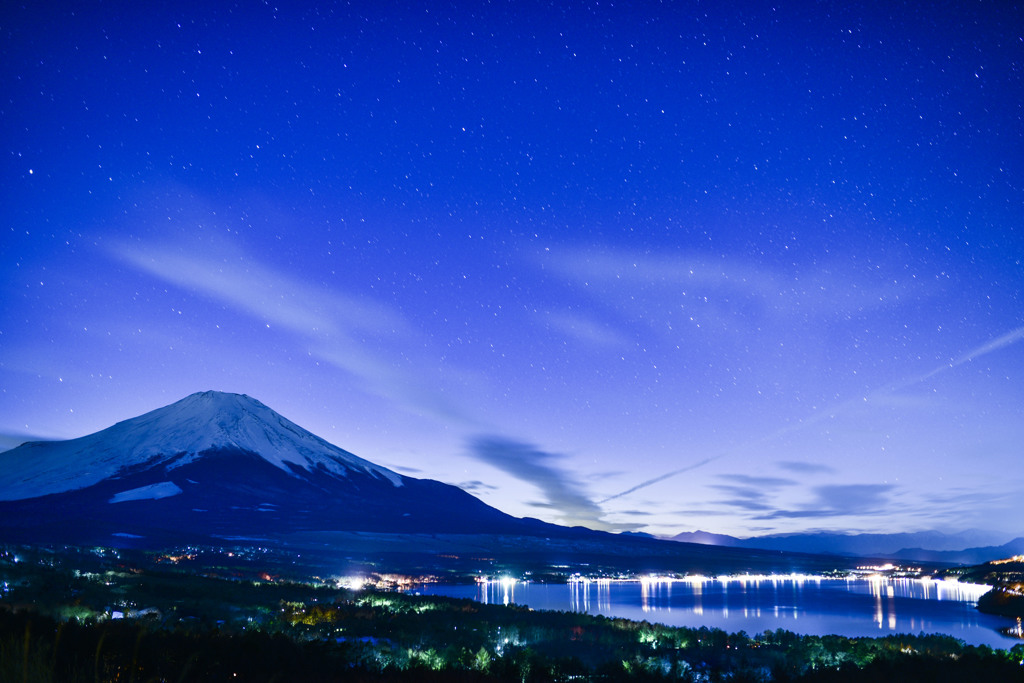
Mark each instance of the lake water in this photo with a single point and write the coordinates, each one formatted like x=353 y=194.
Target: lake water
x=807 y=605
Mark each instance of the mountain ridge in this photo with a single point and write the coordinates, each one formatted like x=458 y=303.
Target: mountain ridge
x=198 y=473
x=175 y=433
x=974 y=555
x=216 y=464
x=933 y=545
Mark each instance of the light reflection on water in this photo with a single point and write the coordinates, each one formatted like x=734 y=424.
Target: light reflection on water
x=861 y=606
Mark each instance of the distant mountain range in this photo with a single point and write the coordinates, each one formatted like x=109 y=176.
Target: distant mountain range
x=217 y=467
x=968 y=547
x=978 y=555
x=221 y=469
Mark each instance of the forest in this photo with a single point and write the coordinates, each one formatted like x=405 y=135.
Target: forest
x=101 y=619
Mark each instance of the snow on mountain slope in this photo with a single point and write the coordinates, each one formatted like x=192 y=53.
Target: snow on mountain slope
x=163 y=489
x=180 y=433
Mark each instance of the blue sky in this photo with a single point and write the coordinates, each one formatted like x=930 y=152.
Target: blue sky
x=645 y=266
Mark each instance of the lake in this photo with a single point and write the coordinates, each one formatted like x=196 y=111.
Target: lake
x=808 y=605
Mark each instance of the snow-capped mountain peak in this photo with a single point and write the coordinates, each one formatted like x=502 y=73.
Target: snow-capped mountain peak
x=176 y=434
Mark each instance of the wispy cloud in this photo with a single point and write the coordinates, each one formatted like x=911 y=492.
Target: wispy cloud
x=753 y=494
x=637 y=513
x=663 y=477
x=476 y=485
x=585 y=329
x=348 y=332
x=889 y=395
x=750 y=493
x=879 y=396
x=761 y=482
x=745 y=498
x=529 y=464
x=802 y=467
x=840 y=500
x=960 y=499
x=406 y=470
x=999 y=343
x=238 y=279
x=698 y=513
x=730 y=289
x=663 y=270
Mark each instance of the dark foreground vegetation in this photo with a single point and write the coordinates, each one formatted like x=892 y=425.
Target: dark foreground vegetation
x=562 y=647
x=116 y=622
x=1007 y=579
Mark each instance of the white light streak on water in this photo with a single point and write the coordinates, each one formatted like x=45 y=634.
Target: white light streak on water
x=855 y=606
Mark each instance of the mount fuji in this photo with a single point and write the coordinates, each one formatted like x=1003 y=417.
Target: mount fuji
x=219 y=465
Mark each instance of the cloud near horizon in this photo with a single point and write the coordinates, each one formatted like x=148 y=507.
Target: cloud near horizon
x=840 y=500
x=762 y=482
x=803 y=467
x=529 y=464
x=659 y=478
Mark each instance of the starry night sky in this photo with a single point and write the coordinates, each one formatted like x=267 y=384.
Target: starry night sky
x=662 y=267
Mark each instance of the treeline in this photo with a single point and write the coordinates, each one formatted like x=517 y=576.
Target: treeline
x=381 y=639
x=467 y=634
x=1006 y=601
